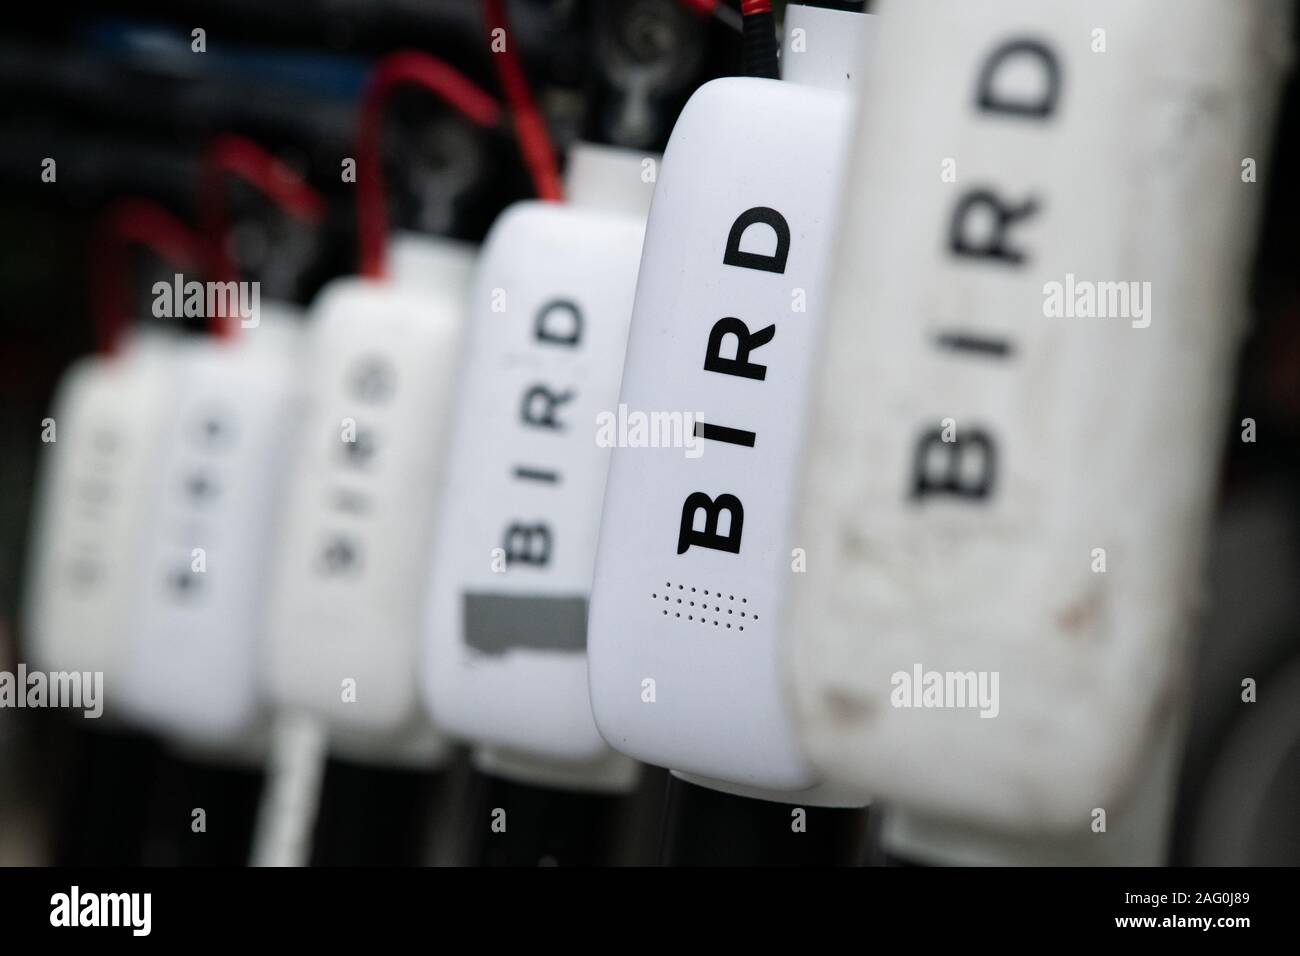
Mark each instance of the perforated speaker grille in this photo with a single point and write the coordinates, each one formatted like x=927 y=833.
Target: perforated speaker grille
x=695 y=605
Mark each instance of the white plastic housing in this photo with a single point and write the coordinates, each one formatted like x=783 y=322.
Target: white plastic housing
x=1083 y=434
x=439 y=268
x=432 y=264
x=200 y=613
x=94 y=497
x=741 y=147
x=516 y=535
x=1138 y=827
x=351 y=562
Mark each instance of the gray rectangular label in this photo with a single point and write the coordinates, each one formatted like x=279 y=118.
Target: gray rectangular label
x=496 y=623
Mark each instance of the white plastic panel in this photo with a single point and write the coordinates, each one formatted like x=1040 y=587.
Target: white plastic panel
x=973 y=446
x=516 y=536
x=352 y=557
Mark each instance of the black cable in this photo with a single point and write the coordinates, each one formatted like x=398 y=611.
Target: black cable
x=758 y=39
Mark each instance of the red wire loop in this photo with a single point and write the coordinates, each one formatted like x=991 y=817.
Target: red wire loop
x=405 y=68
x=131 y=222
x=231 y=155
x=530 y=127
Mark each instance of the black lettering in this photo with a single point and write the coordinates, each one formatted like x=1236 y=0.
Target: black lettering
x=536 y=474
x=732 y=436
x=568 y=333
x=969 y=342
x=756 y=260
x=528 y=544
x=539 y=406
x=1038 y=107
x=746 y=342
x=709 y=537
x=995 y=246
x=949 y=479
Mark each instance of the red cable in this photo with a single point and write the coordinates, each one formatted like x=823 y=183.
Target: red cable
x=716 y=9
x=131 y=222
x=530 y=127
x=749 y=8
x=398 y=69
x=238 y=156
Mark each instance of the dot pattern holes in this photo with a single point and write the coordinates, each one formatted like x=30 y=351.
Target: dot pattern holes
x=725 y=611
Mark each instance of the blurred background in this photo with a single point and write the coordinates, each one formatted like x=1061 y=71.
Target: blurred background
x=115 y=92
